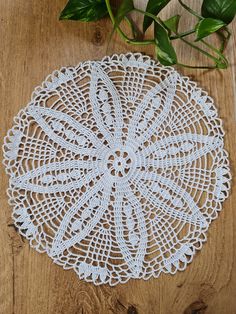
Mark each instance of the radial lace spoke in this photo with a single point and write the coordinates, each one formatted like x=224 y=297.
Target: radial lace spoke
x=196 y=178
x=73 y=95
x=62 y=137
x=100 y=88
x=133 y=81
x=165 y=233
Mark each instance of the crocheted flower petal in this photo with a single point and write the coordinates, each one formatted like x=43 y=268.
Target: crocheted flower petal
x=181 y=206
x=65 y=238
x=159 y=100
x=65 y=130
x=57 y=177
x=106 y=104
x=132 y=246
x=179 y=149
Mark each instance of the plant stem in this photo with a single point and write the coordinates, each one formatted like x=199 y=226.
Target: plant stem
x=197 y=67
x=199 y=49
x=130 y=26
x=225 y=39
x=121 y=33
x=190 y=10
x=182 y=34
x=154 y=17
x=142 y=42
x=216 y=51
x=158 y=20
x=218 y=62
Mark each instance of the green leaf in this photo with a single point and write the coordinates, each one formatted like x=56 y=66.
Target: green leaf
x=125 y=7
x=172 y=23
x=84 y=10
x=223 y=10
x=207 y=26
x=153 y=7
x=164 y=50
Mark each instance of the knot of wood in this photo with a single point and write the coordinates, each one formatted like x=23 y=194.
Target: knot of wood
x=98 y=38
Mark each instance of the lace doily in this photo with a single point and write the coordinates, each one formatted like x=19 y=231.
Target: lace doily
x=117 y=168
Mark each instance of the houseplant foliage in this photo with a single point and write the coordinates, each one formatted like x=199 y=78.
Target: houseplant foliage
x=214 y=18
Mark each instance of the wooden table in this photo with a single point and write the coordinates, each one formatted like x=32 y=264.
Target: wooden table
x=34 y=43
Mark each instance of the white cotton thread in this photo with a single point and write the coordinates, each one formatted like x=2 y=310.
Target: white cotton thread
x=117 y=168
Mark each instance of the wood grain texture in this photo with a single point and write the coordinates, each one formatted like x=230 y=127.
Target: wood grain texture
x=33 y=44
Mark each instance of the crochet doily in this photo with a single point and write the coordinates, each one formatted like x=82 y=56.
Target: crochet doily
x=117 y=168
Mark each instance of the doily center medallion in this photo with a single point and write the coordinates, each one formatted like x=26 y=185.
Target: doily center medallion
x=119 y=162
x=117 y=168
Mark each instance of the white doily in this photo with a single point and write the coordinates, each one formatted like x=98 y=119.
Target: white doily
x=117 y=168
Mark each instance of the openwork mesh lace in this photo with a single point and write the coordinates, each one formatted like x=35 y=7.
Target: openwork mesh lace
x=117 y=168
